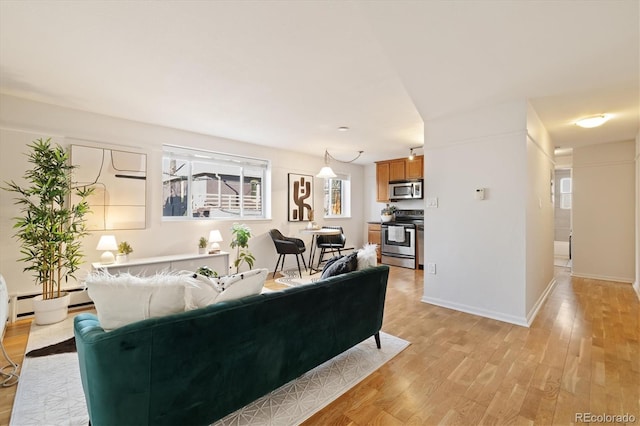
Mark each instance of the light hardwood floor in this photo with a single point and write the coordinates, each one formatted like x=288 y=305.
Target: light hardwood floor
x=581 y=355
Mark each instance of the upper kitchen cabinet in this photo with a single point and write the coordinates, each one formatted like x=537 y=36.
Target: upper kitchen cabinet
x=415 y=168
x=397 y=169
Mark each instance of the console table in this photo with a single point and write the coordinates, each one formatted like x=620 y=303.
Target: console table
x=219 y=262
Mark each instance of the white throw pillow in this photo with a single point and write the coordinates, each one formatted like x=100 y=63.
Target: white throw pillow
x=242 y=284
x=124 y=298
x=367 y=256
x=202 y=291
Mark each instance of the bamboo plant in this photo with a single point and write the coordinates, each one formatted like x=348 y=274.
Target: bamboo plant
x=50 y=228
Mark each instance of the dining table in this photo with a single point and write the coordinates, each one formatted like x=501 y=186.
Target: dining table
x=315 y=232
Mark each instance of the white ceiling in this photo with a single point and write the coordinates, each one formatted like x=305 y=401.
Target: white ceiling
x=288 y=73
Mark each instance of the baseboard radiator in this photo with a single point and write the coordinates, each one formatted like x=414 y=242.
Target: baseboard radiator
x=22 y=306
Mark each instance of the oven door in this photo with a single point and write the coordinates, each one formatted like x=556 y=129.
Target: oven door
x=398 y=240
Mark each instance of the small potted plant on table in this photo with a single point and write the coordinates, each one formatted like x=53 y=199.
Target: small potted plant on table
x=388 y=213
x=124 y=249
x=202 y=245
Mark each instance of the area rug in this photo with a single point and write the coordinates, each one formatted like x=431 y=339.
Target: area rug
x=291 y=278
x=50 y=390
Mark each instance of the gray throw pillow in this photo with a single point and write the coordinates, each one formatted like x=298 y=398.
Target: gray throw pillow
x=340 y=265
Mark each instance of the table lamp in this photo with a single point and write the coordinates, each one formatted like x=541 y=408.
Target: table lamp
x=107 y=243
x=214 y=238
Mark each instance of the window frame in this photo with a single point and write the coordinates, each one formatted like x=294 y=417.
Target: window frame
x=215 y=159
x=345 y=198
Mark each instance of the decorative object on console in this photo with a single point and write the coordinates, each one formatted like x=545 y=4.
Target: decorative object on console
x=124 y=249
x=107 y=244
x=202 y=245
x=240 y=241
x=215 y=238
x=300 y=197
x=51 y=227
x=388 y=213
x=326 y=172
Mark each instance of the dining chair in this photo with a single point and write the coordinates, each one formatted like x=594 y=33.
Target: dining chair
x=287 y=245
x=330 y=243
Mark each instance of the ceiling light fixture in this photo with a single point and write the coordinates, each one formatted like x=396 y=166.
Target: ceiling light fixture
x=343 y=128
x=326 y=172
x=412 y=155
x=593 y=121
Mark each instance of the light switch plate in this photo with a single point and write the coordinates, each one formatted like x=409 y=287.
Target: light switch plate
x=432 y=203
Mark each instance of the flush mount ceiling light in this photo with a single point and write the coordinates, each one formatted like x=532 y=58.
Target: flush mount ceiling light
x=343 y=129
x=593 y=121
x=326 y=172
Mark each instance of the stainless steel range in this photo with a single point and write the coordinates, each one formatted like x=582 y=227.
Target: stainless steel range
x=400 y=238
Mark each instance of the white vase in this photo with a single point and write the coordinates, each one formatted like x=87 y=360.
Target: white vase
x=51 y=310
x=202 y=250
x=122 y=258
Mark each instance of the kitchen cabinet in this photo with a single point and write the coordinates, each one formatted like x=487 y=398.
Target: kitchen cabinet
x=415 y=168
x=397 y=169
x=382 y=181
x=374 y=236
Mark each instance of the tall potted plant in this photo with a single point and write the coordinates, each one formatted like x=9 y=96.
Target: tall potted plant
x=240 y=240
x=50 y=227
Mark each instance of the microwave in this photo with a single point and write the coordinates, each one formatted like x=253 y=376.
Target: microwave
x=405 y=190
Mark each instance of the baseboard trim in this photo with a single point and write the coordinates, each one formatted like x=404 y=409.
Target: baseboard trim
x=625 y=280
x=533 y=313
x=486 y=313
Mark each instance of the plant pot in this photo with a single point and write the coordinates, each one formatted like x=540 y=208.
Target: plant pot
x=387 y=217
x=51 y=310
x=122 y=258
x=202 y=250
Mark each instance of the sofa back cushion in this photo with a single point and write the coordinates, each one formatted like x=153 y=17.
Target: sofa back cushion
x=124 y=298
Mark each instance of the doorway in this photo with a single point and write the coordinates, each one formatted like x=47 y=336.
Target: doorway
x=562 y=218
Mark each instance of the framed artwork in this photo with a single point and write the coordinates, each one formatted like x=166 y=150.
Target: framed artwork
x=119 y=182
x=300 y=197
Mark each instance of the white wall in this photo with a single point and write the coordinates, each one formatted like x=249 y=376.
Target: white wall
x=604 y=206
x=479 y=247
x=539 y=214
x=636 y=284
x=21 y=121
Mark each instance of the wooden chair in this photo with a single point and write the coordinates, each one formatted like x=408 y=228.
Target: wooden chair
x=288 y=245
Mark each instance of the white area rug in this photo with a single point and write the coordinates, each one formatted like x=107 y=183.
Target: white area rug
x=291 y=277
x=50 y=390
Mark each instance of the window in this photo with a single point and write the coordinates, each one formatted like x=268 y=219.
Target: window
x=210 y=185
x=337 y=197
x=565 y=193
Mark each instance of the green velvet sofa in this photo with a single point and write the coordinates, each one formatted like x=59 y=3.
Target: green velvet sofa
x=197 y=366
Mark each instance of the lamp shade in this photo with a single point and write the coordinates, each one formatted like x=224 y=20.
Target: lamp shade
x=214 y=238
x=107 y=242
x=326 y=173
